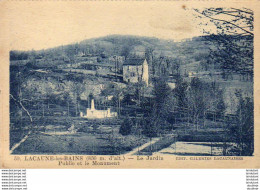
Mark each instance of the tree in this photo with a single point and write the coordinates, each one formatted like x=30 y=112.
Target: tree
x=19 y=100
x=126 y=127
x=180 y=93
x=126 y=50
x=196 y=97
x=78 y=89
x=242 y=133
x=71 y=51
x=127 y=100
x=149 y=55
x=174 y=65
x=161 y=94
x=233 y=50
x=232 y=38
x=149 y=126
x=160 y=109
x=217 y=103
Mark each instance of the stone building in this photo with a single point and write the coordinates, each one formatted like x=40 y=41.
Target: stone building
x=136 y=70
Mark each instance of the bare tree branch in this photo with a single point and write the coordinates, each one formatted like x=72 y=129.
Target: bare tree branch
x=248 y=12
x=225 y=21
x=22 y=106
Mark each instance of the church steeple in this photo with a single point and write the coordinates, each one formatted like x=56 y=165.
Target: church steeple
x=145 y=74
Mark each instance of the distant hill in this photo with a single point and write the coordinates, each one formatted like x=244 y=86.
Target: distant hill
x=107 y=46
x=111 y=45
x=192 y=51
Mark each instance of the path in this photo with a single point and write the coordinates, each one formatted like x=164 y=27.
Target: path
x=19 y=143
x=134 y=151
x=193 y=149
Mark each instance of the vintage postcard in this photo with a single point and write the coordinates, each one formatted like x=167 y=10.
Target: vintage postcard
x=129 y=84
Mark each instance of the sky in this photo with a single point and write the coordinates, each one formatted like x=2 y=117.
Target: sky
x=43 y=24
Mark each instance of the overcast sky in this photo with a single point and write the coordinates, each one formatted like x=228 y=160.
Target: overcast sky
x=41 y=25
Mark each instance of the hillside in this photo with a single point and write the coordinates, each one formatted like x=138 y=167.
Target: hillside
x=103 y=47
x=93 y=60
x=194 y=88
x=197 y=50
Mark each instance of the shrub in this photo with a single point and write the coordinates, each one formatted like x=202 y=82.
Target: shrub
x=126 y=127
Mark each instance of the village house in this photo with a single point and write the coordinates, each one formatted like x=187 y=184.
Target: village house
x=136 y=70
x=92 y=113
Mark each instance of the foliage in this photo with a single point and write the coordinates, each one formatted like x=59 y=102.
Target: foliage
x=243 y=131
x=197 y=97
x=36 y=86
x=126 y=126
x=149 y=127
x=161 y=94
x=233 y=37
x=233 y=49
x=180 y=92
x=160 y=110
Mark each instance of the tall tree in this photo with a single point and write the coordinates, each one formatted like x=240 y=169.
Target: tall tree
x=196 y=98
x=242 y=133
